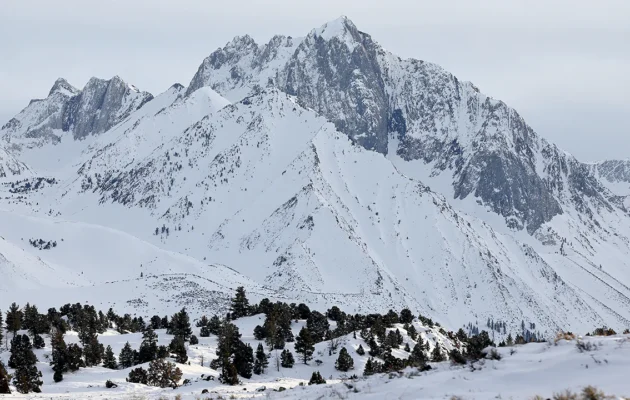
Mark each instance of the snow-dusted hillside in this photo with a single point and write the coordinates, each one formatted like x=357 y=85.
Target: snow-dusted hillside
x=321 y=169
x=523 y=371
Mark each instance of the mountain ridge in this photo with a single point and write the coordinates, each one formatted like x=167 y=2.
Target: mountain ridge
x=327 y=168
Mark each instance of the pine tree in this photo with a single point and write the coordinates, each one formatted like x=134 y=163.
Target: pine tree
x=1 y=331
x=204 y=331
x=178 y=348
x=304 y=345
x=38 y=342
x=406 y=317
x=27 y=377
x=59 y=355
x=5 y=378
x=437 y=355
x=74 y=358
x=361 y=350
x=109 y=361
x=344 y=361
x=93 y=352
x=138 y=375
x=261 y=362
x=148 y=347
x=180 y=325
x=244 y=359
x=194 y=340
x=240 y=304
x=369 y=367
x=407 y=348
x=317 y=379
x=509 y=341
x=412 y=332
x=125 y=357
x=287 y=359
x=417 y=358
x=163 y=374
x=215 y=324
x=317 y=324
x=14 y=319
x=457 y=357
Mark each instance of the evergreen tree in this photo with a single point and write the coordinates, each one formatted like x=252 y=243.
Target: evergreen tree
x=163 y=374
x=29 y=320
x=509 y=341
x=244 y=359
x=1 y=331
x=304 y=345
x=417 y=358
x=194 y=340
x=407 y=348
x=317 y=379
x=138 y=375
x=457 y=357
x=180 y=325
x=59 y=355
x=148 y=347
x=5 y=378
x=93 y=352
x=406 y=317
x=259 y=333
x=203 y=321
x=317 y=324
x=214 y=326
x=74 y=357
x=204 y=331
x=360 y=350
x=369 y=367
x=27 y=377
x=14 y=319
x=287 y=359
x=344 y=361
x=109 y=361
x=261 y=361
x=162 y=352
x=240 y=304
x=178 y=348
x=38 y=342
x=437 y=355
x=156 y=322
x=228 y=339
x=125 y=358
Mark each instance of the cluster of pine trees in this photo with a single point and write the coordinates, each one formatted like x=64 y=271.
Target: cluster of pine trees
x=235 y=359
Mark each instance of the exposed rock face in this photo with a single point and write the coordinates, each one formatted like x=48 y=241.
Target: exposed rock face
x=10 y=167
x=335 y=71
x=375 y=97
x=99 y=106
x=613 y=170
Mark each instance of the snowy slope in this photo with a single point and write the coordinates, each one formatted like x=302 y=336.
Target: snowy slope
x=523 y=372
x=278 y=194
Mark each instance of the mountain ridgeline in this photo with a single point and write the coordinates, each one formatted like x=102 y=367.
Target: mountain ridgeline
x=324 y=169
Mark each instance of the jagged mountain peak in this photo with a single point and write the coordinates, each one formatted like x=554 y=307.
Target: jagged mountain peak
x=62 y=86
x=341 y=28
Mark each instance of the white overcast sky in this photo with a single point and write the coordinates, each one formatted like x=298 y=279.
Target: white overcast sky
x=564 y=65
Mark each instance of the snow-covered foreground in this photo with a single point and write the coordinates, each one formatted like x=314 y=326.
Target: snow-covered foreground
x=523 y=372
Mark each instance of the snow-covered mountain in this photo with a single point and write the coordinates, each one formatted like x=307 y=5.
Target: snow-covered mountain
x=323 y=169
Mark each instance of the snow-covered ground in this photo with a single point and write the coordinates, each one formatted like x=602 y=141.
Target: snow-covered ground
x=523 y=372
